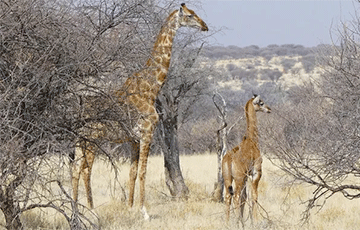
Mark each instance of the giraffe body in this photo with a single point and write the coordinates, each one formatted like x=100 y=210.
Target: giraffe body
x=244 y=160
x=140 y=92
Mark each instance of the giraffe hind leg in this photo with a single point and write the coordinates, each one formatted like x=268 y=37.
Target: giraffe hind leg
x=229 y=192
x=76 y=165
x=240 y=196
x=87 y=168
x=243 y=197
x=228 y=197
x=257 y=172
x=81 y=165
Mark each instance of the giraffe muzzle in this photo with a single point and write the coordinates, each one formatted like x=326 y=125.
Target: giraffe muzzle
x=204 y=27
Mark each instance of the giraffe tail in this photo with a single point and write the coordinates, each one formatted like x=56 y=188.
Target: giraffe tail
x=72 y=156
x=231 y=191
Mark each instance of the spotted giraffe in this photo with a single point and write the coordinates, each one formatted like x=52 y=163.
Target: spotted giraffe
x=139 y=92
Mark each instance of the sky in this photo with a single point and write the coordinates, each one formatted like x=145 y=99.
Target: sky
x=262 y=23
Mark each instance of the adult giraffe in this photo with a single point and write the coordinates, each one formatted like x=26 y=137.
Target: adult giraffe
x=243 y=160
x=140 y=92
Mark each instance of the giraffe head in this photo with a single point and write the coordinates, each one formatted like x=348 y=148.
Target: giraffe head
x=259 y=104
x=188 y=18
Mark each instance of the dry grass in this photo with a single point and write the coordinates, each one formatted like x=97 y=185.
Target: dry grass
x=280 y=201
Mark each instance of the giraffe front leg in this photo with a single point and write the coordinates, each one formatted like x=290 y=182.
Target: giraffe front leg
x=148 y=127
x=133 y=171
x=144 y=152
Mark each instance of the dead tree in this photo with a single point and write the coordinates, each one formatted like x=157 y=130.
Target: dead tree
x=221 y=147
x=221 y=142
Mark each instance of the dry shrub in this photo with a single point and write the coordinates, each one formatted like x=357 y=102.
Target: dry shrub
x=43 y=219
x=197 y=191
x=330 y=215
x=116 y=213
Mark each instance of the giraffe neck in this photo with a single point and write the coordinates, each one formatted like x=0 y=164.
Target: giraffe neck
x=251 y=121
x=142 y=88
x=159 y=62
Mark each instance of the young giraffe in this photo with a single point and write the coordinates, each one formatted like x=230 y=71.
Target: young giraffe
x=140 y=92
x=243 y=160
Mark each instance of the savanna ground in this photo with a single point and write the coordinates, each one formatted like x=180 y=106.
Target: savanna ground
x=282 y=202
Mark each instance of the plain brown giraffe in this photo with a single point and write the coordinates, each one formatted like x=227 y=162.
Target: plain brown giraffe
x=140 y=92
x=244 y=160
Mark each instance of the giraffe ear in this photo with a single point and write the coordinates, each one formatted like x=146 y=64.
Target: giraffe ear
x=256 y=99
x=181 y=11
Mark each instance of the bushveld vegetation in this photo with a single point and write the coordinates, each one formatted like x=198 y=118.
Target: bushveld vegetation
x=53 y=53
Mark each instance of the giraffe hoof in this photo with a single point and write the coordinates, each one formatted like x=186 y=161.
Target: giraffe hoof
x=145 y=214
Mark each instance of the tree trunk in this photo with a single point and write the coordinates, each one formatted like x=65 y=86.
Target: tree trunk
x=167 y=105
x=174 y=178
x=221 y=148
x=12 y=214
x=167 y=131
x=10 y=207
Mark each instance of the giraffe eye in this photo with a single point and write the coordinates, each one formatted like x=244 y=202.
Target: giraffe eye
x=261 y=103
x=190 y=16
